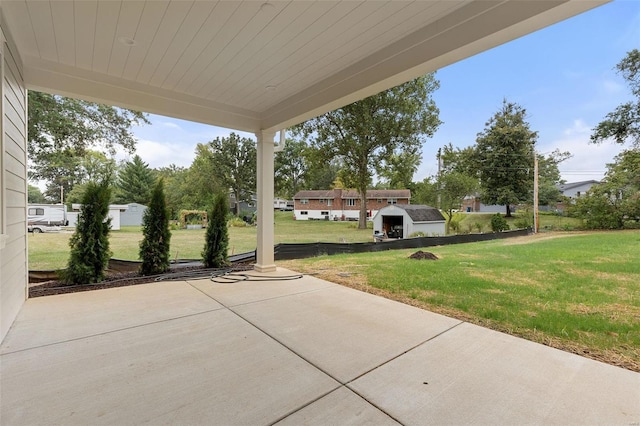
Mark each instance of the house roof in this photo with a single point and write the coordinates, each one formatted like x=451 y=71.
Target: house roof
x=570 y=185
x=420 y=212
x=352 y=193
x=255 y=65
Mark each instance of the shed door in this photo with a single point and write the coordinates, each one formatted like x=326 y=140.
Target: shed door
x=393 y=226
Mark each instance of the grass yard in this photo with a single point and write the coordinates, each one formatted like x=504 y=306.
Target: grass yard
x=51 y=250
x=575 y=291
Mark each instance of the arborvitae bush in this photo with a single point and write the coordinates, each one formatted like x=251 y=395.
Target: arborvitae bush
x=154 y=247
x=217 y=235
x=89 y=244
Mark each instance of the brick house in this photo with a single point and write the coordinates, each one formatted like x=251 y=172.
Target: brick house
x=344 y=204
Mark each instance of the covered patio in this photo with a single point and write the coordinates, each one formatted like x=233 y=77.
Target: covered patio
x=286 y=351
x=300 y=351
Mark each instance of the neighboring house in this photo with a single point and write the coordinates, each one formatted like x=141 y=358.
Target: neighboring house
x=245 y=206
x=473 y=204
x=402 y=220
x=132 y=216
x=115 y=210
x=576 y=189
x=344 y=204
x=282 y=204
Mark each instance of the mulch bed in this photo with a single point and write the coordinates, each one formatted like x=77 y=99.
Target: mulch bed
x=122 y=279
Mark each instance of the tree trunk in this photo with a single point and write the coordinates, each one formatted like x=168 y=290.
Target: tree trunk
x=508 y=211
x=362 y=223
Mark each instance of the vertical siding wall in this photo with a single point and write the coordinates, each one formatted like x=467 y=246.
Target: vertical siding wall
x=13 y=256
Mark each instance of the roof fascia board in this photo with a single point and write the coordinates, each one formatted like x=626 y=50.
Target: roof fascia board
x=59 y=79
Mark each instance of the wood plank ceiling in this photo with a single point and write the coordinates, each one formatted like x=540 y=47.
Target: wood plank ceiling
x=252 y=64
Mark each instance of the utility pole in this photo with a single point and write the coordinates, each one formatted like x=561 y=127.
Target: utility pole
x=536 y=224
x=439 y=170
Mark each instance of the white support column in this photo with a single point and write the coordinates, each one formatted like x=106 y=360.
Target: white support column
x=264 y=257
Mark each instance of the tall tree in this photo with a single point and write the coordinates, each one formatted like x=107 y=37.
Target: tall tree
x=291 y=168
x=504 y=151
x=453 y=186
x=35 y=196
x=401 y=168
x=366 y=135
x=61 y=130
x=135 y=182
x=155 y=244
x=549 y=177
x=623 y=124
x=75 y=171
x=234 y=165
x=175 y=188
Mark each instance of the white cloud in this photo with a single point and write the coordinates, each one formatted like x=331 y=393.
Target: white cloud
x=589 y=161
x=162 y=154
x=170 y=124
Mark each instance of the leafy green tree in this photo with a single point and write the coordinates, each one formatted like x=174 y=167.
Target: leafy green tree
x=425 y=192
x=155 y=244
x=135 y=182
x=461 y=160
x=61 y=130
x=323 y=172
x=623 y=124
x=35 y=196
x=233 y=162
x=453 y=187
x=90 y=242
x=291 y=168
x=367 y=135
x=401 y=168
x=616 y=200
x=216 y=244
x=176 y=188
x=549 y=177
x=504 y=151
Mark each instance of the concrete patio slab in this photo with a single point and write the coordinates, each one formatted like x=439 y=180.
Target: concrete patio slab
x=230 y=292
x=290 y=352
x=209 y=368
x=472 y=375
x=343 y=331
x=340 y=407
x=58 y=318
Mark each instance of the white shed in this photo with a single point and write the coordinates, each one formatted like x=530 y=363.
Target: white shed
x=402 y=220
x=114 y=214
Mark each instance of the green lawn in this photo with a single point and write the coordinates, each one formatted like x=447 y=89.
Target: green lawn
x=579 y=292
x=51 y=250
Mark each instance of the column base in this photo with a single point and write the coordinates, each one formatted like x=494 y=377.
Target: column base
x=264 y=268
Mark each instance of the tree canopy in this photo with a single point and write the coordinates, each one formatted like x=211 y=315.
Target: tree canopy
x=368 y=136
x=233 y=161
x=622 y=125
x=505 y=157
x=61 y=130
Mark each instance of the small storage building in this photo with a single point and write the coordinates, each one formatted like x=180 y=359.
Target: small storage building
x=402 y=220
x=132 y=216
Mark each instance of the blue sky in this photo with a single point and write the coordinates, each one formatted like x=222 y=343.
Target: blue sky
x=562 y=75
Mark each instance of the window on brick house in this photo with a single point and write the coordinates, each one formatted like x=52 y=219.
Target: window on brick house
x=392 y=201
x=351 y=202
x=379 y=200
x=304 y=201
x=329 y=202
x=321 y=200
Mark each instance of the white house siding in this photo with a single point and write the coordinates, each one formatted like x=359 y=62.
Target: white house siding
x=13 y=208
x=333 y=214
